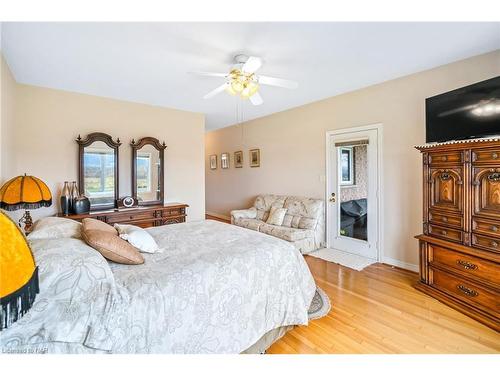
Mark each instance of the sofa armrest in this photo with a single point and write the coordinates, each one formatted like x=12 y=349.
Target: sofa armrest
x=250 y=213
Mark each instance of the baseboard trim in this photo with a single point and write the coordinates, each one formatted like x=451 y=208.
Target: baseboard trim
x=215 y=214
x=400 y=264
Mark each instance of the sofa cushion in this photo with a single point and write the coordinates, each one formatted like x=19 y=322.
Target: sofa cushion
x=263 y=204
x=302 y=213
x=276 y=216
x=288 y=234
x=253 y=224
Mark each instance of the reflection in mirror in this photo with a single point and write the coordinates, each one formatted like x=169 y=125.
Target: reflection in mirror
x=148 y=167
x=147 y=170
x=98 y=174
x=353 y=181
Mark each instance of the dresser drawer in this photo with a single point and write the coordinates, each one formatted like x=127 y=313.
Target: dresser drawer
x=467 y=291
x=486 y=243
x=446 y=233
x=465 y=264
x=445 y=219
x=446 y=157
x=486 y=156
x=487 y=227
x=173 y=212
x=127 y=217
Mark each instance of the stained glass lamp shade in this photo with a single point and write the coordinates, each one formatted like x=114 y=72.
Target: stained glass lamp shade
x=25 y=192
x=18 y=273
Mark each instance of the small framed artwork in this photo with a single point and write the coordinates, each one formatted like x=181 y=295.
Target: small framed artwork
x=213 y=161
x=255 y=157
x=238 y=159
x=347 y=165
x=224 y=160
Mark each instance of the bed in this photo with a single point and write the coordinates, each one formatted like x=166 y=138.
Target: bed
x=214 y=288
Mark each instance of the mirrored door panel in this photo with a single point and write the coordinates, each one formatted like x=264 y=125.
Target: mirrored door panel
x=353 y=190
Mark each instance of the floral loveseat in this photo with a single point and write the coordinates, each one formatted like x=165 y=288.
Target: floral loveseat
x=303 y=224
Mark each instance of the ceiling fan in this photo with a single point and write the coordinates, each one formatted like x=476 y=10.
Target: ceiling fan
x=244 y=82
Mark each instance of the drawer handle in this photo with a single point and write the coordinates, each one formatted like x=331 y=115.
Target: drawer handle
x=444 y=158
x=494 y=243
x=494 y=228
x=466 y=265
x=494 y=155
x=444 y=233
x=467 y=291
x=445 y=219
x=131 y=217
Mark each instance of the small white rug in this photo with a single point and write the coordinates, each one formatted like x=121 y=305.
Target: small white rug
x=353 y=261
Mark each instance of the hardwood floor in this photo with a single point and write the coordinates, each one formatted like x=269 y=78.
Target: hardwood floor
x=210 y=217
x=377 y=310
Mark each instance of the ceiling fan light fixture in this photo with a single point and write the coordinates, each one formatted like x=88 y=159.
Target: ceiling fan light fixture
x=237 y=86
x=230 y=90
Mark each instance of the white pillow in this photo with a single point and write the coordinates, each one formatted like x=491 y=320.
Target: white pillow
x=276 y=216
x=54 y=228
x=137 y=237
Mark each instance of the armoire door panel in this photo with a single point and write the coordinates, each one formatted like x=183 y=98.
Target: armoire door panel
x=486 y=191
x=446 y=189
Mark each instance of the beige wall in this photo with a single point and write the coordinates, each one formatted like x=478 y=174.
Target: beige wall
x=48 y=121
x=7 y=92
x=292 y=145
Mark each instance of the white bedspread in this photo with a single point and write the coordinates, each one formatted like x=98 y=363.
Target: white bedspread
x=215 y=288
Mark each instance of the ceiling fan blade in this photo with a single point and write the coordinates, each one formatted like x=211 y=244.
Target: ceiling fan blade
x=216 y=91
x=209 y=74
x=256 y=99
x=272 y=81
x=253 y=63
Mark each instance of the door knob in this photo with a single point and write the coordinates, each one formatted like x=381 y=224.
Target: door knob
x=332 y=198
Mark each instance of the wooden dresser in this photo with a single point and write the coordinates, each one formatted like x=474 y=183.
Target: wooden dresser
x=460 y=247
x=143 y=216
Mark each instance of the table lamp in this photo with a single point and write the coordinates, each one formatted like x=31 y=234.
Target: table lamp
x=25 y=192
x=18 y=273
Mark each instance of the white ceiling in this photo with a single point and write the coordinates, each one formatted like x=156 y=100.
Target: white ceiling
x=149 y=62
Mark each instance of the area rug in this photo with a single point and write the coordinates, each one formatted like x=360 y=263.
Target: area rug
x=353 y=261
x=320 y=305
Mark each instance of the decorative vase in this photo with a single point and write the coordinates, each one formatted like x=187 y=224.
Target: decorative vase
x=65 y=199
x=74 y=195
x=81 y=205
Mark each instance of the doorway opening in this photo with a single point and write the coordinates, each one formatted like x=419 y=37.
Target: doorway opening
x=353 y=222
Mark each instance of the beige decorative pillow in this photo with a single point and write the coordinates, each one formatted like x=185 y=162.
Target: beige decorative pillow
x=55 y=227
x=276 y=216
x=94 y=224
x=112 y=247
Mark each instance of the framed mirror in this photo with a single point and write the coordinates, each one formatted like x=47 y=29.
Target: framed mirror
x=98 y=170
x=147 y=170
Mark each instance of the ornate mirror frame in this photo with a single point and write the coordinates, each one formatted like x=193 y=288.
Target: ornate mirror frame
x=160 y=147
x=108 y=140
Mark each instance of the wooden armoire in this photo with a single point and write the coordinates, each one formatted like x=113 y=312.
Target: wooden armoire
x=460 y=244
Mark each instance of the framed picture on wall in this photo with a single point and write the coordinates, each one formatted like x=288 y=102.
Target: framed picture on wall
x=238 y=159
x=213 y=161
x=224 y=160
x=347 y=165
x=255 y=157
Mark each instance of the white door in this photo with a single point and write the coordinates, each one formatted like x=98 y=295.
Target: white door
x=353 y=181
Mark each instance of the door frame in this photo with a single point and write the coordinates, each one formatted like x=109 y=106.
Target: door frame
x=379 y=187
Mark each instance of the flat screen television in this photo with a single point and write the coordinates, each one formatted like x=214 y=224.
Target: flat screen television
x=469 y=112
